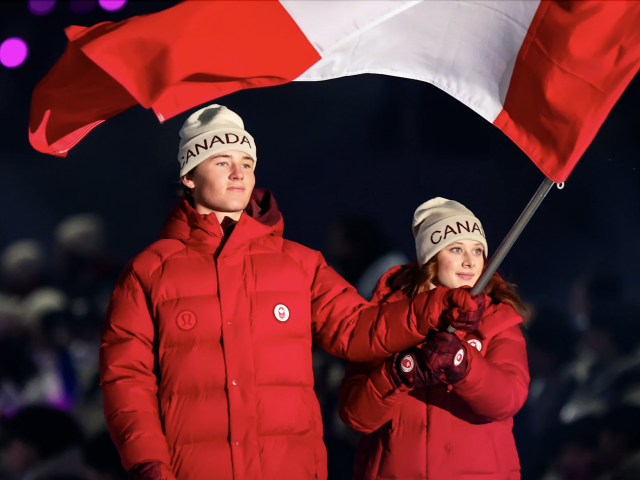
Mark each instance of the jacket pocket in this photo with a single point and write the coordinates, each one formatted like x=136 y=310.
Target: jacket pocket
x=505 y=449
x=474 y=452
x=167 y=414
x=319 y=448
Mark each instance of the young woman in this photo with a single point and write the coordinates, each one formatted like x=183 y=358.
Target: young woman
x=444 y=409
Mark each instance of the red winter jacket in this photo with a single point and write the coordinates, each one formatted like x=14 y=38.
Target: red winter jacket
x=205 y=362
x=435 y=434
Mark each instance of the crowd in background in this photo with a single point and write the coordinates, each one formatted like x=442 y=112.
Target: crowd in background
x=52 y=302
x=581 y=420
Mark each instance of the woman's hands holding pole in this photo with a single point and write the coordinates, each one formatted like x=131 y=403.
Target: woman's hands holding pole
x=446 y=307
x=443 y=357
x=465 y=309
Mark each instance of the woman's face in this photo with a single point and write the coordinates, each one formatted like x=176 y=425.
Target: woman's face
x=460 y=264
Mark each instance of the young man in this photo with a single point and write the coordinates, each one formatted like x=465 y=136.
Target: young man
x=206 y=351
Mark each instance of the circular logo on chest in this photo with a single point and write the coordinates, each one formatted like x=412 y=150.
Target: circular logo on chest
x=407 y=363
x=186 y=320
x=281 y=313
x=474 y=342
x=459 y=357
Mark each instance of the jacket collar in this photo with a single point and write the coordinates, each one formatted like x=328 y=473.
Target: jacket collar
x=204 y=233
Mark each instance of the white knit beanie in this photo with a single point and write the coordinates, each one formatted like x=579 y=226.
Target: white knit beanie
x=440 y=222
x=211 y=130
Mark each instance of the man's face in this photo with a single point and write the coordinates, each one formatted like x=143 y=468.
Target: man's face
x=222 y=183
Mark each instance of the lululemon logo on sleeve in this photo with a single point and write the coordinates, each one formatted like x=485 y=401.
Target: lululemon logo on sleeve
x=407 y=363
x=477 y=344
x=459 y=357
x=281 y=313
x=186 y=320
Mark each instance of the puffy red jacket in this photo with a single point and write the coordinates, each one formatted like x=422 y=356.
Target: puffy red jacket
x=206 y=350
x=440 y=433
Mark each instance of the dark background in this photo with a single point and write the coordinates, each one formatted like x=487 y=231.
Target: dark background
x=369 y=145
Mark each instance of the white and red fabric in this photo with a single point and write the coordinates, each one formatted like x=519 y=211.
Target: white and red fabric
x=547 y=73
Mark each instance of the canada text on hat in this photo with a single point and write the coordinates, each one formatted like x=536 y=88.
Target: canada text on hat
x=212 y=130
x=440 y=222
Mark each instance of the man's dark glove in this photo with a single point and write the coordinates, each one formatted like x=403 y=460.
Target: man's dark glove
x=407 y=369
x=442 y=307
x=151 y=471
x=444 y=354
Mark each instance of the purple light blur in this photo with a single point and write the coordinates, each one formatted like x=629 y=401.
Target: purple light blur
x=112 y=5
x=82 y=7
x=13 y=52
x=41 y=7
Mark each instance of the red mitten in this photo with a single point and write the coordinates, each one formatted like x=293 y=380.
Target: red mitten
x=151 y=471
x=464 y=310
x=444 y=353
x=407 y=369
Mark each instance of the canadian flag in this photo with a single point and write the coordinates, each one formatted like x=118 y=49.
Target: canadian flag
x=546 y=73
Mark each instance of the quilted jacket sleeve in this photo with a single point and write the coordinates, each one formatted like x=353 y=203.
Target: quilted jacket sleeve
x=127 y=377
x=495 y=386
x=348 y=326
x=368 y=396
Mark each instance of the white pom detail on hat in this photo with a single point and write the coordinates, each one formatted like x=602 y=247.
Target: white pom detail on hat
x=210 y=130
x=440 y=222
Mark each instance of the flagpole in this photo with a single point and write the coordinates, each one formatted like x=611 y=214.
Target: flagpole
x=511 y=238
x=513 y=235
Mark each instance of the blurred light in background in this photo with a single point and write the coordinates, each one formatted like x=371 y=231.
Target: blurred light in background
x=82 y=7
x=41 y=7
x=13 y=52
x=112 y=5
